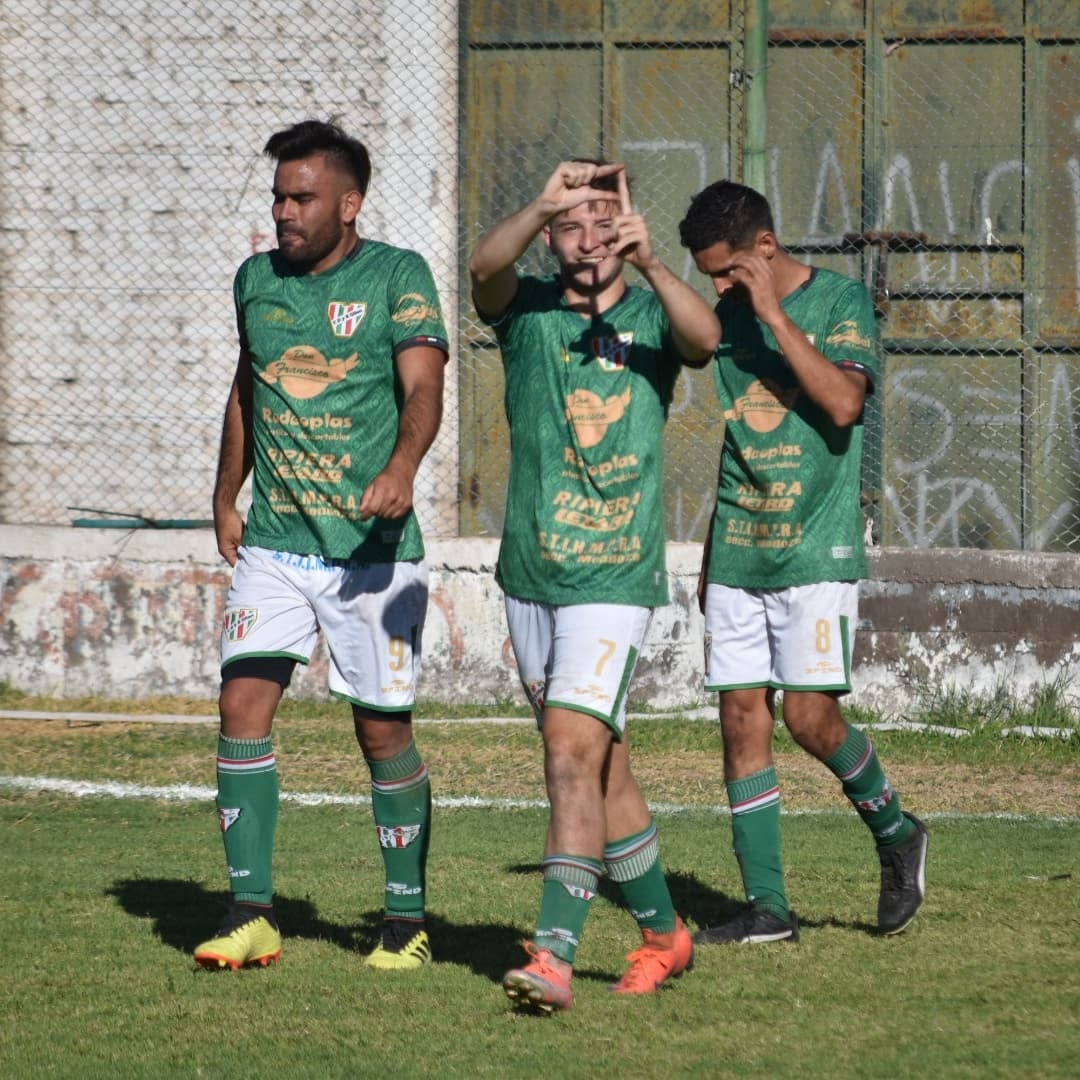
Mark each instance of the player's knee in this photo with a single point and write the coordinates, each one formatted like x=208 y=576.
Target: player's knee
x=382 y=735
x=815 y=722
x=247 y=705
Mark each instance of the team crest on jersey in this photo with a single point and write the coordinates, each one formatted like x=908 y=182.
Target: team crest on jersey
x=345 y=317
x=239 y=622
x=397 y=836
x=227 y=818
x=613 y=353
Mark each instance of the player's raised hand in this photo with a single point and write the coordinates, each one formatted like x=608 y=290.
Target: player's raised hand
x=570 y=185
x=632 y=240
x=754 y=273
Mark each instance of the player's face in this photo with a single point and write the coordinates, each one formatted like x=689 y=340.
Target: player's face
x=315 y=207
x=583 y=241
x=718 y=262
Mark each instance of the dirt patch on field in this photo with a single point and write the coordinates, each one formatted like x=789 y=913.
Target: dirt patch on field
x=505 y=762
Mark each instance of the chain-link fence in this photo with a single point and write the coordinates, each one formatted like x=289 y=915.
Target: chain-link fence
x=931 y=150
x=134 y=186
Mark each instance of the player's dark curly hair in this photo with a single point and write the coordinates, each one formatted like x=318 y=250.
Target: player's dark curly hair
x=322 y=137
x=725 y=212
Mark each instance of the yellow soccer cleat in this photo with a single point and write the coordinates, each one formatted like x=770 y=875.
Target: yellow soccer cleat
x=244 y=939
x=415 y=953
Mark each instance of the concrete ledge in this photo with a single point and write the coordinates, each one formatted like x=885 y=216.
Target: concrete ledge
x=136 y=613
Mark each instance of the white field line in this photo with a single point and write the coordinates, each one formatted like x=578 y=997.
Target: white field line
x=186 y=793
x=1025 y=730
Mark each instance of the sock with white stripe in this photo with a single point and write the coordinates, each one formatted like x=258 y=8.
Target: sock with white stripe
x=570 y=883
x=401 y=805
x=247 y=804
x=859 y=771
x=755 y=827
x=634 y=865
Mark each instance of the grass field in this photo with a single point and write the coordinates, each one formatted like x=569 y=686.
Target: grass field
x=102 y=899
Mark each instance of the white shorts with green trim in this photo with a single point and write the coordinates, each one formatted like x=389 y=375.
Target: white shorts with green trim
x=579 y=656
x=371 y=614
x=799 y=638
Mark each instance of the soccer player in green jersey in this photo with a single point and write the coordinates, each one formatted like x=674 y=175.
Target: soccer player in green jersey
x=590 y=364
x=337 y=397
x=798 y=355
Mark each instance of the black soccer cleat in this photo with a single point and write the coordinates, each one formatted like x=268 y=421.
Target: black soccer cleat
x=903 y=880
x=753 y=926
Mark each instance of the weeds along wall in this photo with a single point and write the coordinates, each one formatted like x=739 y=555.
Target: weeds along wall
x=930 y=150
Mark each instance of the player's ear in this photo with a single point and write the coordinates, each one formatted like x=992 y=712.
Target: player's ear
x=545 y=232
x=766 y=244
x=351 y=202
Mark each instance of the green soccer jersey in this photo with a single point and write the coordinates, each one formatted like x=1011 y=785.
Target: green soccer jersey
x=586 y=401
x=326 y=403
x=787 y=510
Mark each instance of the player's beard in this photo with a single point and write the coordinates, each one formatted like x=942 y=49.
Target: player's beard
x=310 y=250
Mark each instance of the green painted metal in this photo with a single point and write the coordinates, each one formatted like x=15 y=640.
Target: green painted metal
x=929 y=148
x=757 y=114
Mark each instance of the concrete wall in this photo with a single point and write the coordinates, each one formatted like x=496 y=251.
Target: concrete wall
x=133 y=187
x=133 y=614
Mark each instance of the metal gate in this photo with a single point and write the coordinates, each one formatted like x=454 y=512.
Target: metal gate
x=929 y=149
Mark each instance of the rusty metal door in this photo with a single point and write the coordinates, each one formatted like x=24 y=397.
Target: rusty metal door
x=931 y=149
x=637 y=81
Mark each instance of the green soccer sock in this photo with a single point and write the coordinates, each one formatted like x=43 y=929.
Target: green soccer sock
x=401 y=805
x=859 y=771
x=247 y=803
x=570 y=883
x=755 y=827
x=634 y=865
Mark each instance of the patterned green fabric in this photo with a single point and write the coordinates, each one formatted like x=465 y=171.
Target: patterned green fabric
x=326 y=407
x=586 y=401
x=788 y=508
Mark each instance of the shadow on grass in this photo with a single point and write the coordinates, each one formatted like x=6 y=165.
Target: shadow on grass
x=184 y=913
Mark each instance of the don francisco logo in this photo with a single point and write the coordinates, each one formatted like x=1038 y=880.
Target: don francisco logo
x=345 y=318
x=592 y=415
x=763 y=406
x=414 y=308
x=613 y=353
x=239 y=622
x=305 y=373
x=847 y=333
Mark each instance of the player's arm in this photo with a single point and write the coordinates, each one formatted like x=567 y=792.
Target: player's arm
x=492 y=263
x=420 y=373
x=694 y=325
x=837 y=392
x=234 y=461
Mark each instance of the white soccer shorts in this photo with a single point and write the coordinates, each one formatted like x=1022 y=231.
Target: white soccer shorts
x=799 y=638
x=579 y=656
x=371 y=614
